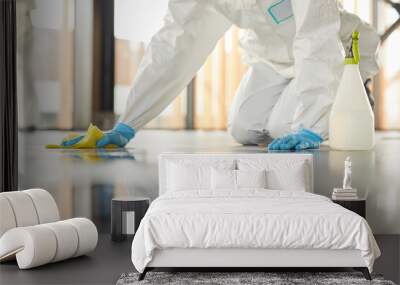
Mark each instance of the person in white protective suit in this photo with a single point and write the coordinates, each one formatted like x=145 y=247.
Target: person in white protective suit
x=295 y=53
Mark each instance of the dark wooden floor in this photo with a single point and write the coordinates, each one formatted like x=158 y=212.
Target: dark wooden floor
x=103 y=266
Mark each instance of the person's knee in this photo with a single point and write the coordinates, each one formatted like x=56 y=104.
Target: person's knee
x=248 y=136
x=238 y=132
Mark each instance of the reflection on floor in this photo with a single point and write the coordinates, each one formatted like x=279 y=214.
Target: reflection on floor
x=84 y=181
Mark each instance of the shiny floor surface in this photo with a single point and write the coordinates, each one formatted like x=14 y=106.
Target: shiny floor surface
x=103 y=266
x=84 y=181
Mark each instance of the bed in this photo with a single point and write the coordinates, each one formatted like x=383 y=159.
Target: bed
x=246 y=211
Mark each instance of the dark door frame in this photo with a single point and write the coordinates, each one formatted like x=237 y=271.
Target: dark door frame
x=8 y=98
x=103 y=62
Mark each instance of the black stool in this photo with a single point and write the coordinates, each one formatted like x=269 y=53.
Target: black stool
x=122 y=212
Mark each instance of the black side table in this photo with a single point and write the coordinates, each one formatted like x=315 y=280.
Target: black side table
x=357 y=206
x=126 y=214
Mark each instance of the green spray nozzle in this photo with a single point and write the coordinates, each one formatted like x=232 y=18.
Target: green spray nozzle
x=354 y=52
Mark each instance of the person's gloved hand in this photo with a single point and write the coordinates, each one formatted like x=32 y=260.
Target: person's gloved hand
x=303 y=139
x=120 y=135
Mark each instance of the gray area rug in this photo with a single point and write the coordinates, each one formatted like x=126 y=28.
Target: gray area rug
x=229 y=278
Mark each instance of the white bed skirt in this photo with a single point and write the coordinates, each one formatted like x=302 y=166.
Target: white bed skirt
x=189 y=257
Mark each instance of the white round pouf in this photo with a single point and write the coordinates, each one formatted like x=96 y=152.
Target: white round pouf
x=23 y=208
x=46 y=207
x=37 y=245
x=31 y=233
x=33 y=246
x=67 y=240
x=7 y=218
x=87 y=233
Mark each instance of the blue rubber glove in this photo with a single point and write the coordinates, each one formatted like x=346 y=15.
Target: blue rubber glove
x=303 y=139
x=120 y=135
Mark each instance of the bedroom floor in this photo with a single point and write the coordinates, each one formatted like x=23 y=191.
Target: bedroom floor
x=83 y=183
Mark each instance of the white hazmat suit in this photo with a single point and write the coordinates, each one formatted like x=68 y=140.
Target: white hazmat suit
x=294 y=49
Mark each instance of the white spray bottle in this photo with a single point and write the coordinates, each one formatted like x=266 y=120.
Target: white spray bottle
x=351 y=122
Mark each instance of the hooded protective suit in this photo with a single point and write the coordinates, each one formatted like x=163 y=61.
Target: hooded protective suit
x=294 y=49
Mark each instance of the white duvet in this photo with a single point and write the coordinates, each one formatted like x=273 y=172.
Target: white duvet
x=250 y=219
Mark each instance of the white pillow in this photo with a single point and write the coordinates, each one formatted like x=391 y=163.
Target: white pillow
x=185 y=175
x=282 y=174
x=293 y=179
x=223 y=179
x=226 y=179
x=251 y=178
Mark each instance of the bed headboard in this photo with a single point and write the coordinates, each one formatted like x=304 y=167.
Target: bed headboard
x=165 y=158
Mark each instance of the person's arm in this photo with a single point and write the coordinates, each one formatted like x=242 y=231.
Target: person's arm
x=318 y=56
x=368 y=43
x=174 y=55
